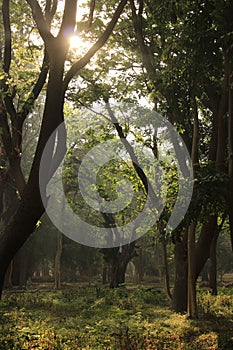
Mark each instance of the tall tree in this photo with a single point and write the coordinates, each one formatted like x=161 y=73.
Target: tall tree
x=182 y=69
x=15 y=231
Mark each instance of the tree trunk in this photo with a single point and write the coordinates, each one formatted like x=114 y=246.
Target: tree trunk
x=204 y=243
x=204 y=274
x=104 y=274
x=166 y=270
x=118 y=269
x=8 y=276
x=213 y=264
x=179 y=298
x=23 y=274
x=20 y=267
x=192 y=303
x=118 y=262
x=230 y=146
x=139 y=266
x=57 y=266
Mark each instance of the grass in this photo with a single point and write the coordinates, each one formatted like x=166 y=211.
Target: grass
x=121 y=319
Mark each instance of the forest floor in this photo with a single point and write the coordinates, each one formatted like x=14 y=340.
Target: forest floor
x=90 y=317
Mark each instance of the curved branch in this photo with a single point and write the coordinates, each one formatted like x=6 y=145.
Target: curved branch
x=99 y=43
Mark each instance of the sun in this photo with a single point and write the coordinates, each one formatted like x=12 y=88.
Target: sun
x=75 y=42
x=78 y=44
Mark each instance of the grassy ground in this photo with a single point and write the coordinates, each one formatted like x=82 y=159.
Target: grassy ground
x=89 y=318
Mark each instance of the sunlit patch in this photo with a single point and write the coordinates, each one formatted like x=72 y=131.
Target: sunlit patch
x=78 y=44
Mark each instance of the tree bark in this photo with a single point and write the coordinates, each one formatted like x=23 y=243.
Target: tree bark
x=213 y=265
x=117 y=260
x=192 y=303
x=166 y=270
x=179 y=297
x=57 y=265
x=230 y=145
x=104 y=274
x=205 y=275
x=8 y=276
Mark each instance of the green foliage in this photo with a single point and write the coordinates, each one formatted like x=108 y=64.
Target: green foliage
x=120 y=319
x=206 y=202
x=217 y=306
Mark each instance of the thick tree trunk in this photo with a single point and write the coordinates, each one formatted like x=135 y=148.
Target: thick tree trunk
x=2 y=278
x=179 y=297
x=23 y=274
x=20 y=266
x=118 y=269
x=118 y=262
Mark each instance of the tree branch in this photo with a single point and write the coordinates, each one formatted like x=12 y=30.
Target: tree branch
x=50 y=10
x=42 y=25
x=69 y=19
x=99 y=43
x=10 y=107
x=5 y=130
x=28 y=105
x=91 y=13
x=141 y=6
x=137 y=23
x=7 y=32
x=140 y=172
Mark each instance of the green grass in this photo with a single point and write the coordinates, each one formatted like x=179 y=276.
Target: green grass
x=121 y=319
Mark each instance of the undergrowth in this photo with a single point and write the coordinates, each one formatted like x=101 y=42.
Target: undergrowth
x=121 y=319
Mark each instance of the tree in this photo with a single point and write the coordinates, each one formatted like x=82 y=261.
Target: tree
x=171 y=47
x=29 y=206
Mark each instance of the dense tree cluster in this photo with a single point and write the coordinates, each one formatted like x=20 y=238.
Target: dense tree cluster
x=175 y=57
